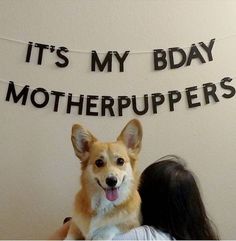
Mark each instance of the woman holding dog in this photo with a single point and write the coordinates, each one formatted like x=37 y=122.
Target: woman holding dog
x=171 y=206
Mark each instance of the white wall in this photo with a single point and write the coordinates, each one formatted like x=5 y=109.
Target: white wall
x=38 y=170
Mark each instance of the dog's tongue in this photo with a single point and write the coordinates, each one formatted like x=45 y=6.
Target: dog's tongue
x=112 y=194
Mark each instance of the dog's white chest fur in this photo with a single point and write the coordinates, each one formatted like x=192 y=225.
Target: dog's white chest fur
x=97 y=229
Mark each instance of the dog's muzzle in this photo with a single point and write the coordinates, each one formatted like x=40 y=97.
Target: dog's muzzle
x=112 y=192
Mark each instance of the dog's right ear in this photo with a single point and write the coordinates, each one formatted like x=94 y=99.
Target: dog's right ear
x=81 y=140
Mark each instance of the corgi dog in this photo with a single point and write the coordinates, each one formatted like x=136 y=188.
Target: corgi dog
x=108 y=202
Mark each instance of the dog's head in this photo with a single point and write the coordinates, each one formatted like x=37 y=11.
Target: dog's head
x=108 y=168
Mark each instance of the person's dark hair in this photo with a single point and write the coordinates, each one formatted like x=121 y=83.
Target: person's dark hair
x=171 y=201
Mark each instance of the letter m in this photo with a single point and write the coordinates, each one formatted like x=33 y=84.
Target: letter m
x=12 y=92
x=101 y=66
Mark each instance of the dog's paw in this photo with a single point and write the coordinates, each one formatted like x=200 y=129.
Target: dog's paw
x=106 y=233
x=102 y=236
x=69 y=237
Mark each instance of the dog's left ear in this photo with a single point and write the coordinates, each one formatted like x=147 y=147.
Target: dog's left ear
x=131 y=136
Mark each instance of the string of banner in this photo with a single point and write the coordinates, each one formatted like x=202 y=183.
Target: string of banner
x=161 y=58
x=99 y=52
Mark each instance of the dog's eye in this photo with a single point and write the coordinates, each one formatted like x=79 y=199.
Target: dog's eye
x=99 y=163
x=120 y=161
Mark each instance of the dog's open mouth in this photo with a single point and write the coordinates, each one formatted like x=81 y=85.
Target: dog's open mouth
x=111 y=193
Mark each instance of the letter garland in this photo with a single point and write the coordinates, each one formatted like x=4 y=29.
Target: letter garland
x=94 y=105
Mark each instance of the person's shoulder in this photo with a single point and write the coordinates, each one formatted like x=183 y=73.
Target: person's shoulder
x=144 y=233
x=155 y=234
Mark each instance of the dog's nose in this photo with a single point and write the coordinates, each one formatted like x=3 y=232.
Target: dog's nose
x=111 y=181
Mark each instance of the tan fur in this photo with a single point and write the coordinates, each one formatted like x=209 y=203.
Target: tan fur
x=88 y=149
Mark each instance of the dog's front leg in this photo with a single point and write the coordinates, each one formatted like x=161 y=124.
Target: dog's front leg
x=74 y=233
x=105 y=233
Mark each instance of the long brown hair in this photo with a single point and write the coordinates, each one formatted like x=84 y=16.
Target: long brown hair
x=171 y=201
